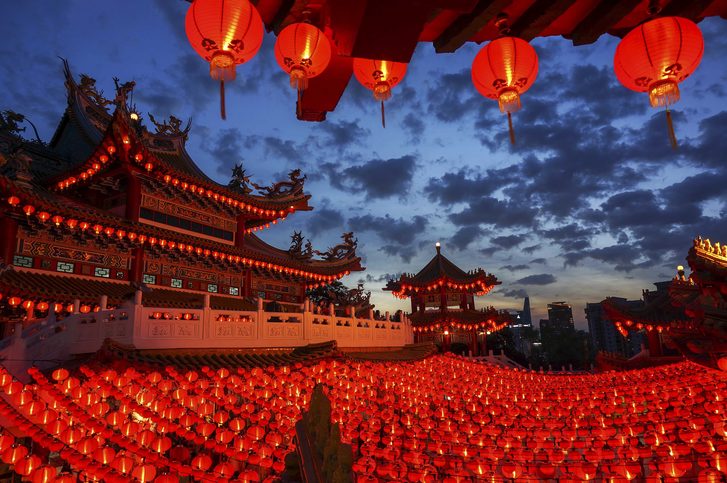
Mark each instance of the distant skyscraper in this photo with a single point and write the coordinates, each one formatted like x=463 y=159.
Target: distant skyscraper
x=603 y=334
x=526 y=317
x=560 y=317
x=522 y=323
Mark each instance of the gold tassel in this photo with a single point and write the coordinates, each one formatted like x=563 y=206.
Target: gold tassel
x=222 y=100
x=383 y=115
x=670 y=126
x=512 y=131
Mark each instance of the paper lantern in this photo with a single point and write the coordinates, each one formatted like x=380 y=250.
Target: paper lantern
x=656 y=56
x=503 y=70
x=303 y=51
x=225 y=33
x=379 y=76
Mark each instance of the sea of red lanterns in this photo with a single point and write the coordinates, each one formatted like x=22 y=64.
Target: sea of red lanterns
x=443 y=418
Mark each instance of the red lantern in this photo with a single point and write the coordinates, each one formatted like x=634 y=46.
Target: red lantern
x=504 y=69
x=656 y=56
x=224 y=33
x=380 y=76
x=303 y=51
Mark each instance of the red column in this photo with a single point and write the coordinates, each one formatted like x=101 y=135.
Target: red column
x=484 y=345
x=137 y=265
x=654 y=341
x=8 y=239
x=473 y=342
x=133 y=197
x=240 y=232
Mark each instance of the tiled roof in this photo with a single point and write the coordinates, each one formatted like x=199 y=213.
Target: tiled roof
x=410 y=352
x=657 y=310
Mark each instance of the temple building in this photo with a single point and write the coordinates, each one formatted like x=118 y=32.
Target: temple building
x=687 y=314
x=110 y=216
x=443 y=304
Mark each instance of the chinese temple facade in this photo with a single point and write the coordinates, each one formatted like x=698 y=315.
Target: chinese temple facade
x=443 y=304
x=112 y=230
x=690 y=317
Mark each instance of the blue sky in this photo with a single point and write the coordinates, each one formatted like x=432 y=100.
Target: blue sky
x=591 y=202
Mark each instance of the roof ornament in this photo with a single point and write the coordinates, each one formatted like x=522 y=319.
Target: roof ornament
x=123 y=91
x=16 y=165
x=296 y=249
x=88 y=89
x=284 y=188
x=173 y=127
x=240 y=180
x=10 y=124
x=344 y=250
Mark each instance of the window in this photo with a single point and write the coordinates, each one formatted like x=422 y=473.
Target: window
x=212 y=288
x=65 y=267
x=176 y=283
x=20 y=261
x=102 y=272
x=234 y=291
x=175 y=221
x=149 y=278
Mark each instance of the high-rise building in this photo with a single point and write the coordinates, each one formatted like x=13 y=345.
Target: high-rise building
x=523 y=322
x=603 y=334
x=560 y=318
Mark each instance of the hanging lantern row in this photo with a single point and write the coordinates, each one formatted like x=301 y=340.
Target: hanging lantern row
x=99 y=159
x=43 y=306
x=490 y=326
x=626 y=326
x=406 y=291
x=654 y=57
x=97 y=229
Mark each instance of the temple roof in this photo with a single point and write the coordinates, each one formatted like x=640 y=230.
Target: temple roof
x=656 y=310
x=440 y=270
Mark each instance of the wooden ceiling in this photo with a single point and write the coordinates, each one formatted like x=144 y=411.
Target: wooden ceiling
x=391 y=29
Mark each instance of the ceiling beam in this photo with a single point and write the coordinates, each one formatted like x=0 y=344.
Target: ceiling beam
x=467 y=25
x=600 y=20
x=691 y=9
x=538 y=17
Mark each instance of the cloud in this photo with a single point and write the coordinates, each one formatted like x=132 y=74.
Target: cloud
x=515 y=293
x=464 y=236
x=343 y=134
x=508 y=241
x=397 y=231
x=515 y=268
x=492 y=211
x=324 y=219
x=378 y=178
x=539 y=279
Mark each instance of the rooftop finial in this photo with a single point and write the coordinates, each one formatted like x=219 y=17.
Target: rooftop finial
x=439 y=246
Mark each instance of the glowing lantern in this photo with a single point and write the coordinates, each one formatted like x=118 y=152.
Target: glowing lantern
x=504 y=69
x=380 y=76
x=303 y=51
x=14 y=301
x=656 y=56
x=224 y=33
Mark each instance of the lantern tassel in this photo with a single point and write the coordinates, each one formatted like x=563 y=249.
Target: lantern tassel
x=670 y=126
x=223 y=115
x=512 y=131
x=383 y=115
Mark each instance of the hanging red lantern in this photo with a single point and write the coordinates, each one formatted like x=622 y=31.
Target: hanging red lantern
x=303 y=51
x=225 y=33
x=380 y=76
x=504 y=69
x=656 y=56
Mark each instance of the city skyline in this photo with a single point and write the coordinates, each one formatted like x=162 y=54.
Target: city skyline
x=606 y=215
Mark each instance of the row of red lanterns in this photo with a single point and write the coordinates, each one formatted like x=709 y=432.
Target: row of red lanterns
x=98 y=229
x=42 y=306
x=654 y=57
x=406 y=290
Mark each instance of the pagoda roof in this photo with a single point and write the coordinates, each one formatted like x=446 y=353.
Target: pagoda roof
x=658 y=310
x=708 y=261
x=61 y=288
x=88 y=115
x=257 y=254
x=441 y=271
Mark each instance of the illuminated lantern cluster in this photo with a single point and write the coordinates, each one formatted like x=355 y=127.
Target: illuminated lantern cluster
x=303 y=51
x=379 y=76
x=225 y=33
x=656 y=56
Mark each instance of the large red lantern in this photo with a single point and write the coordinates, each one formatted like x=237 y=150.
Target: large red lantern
x=225 y=33
x=656 y=56
x=504 y=69
x=303 y=51
x=380 y=76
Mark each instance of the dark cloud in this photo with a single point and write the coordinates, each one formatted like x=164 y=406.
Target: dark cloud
x=515 y=268
x=405 y=253
x=413 y=126
x=343 y=134
x=324 y=219
x=539 y=279
x=515 y=293
x=452 y=96
x=379 y=178
x=508 y=241
x=225 y=147
x=542 y=261
x=397 y=231
x=492 y=211
x=464 y=236
x=623 y=258
x=383 y=277
x=459 y=187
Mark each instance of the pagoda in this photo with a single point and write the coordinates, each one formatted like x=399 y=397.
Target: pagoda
x=443 y=304
x=110 y=230
x=689 y=315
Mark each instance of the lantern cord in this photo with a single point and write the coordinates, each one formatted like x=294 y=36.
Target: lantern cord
x=298 y=106
x=512 y=131
x=223 y=115
x=670 y=125
x=383 y=115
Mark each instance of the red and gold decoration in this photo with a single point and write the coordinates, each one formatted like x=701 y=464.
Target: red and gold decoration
x=225 y=33
x=503 y=70
x=303 y=51
x=656 y=56
x=379 y=76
